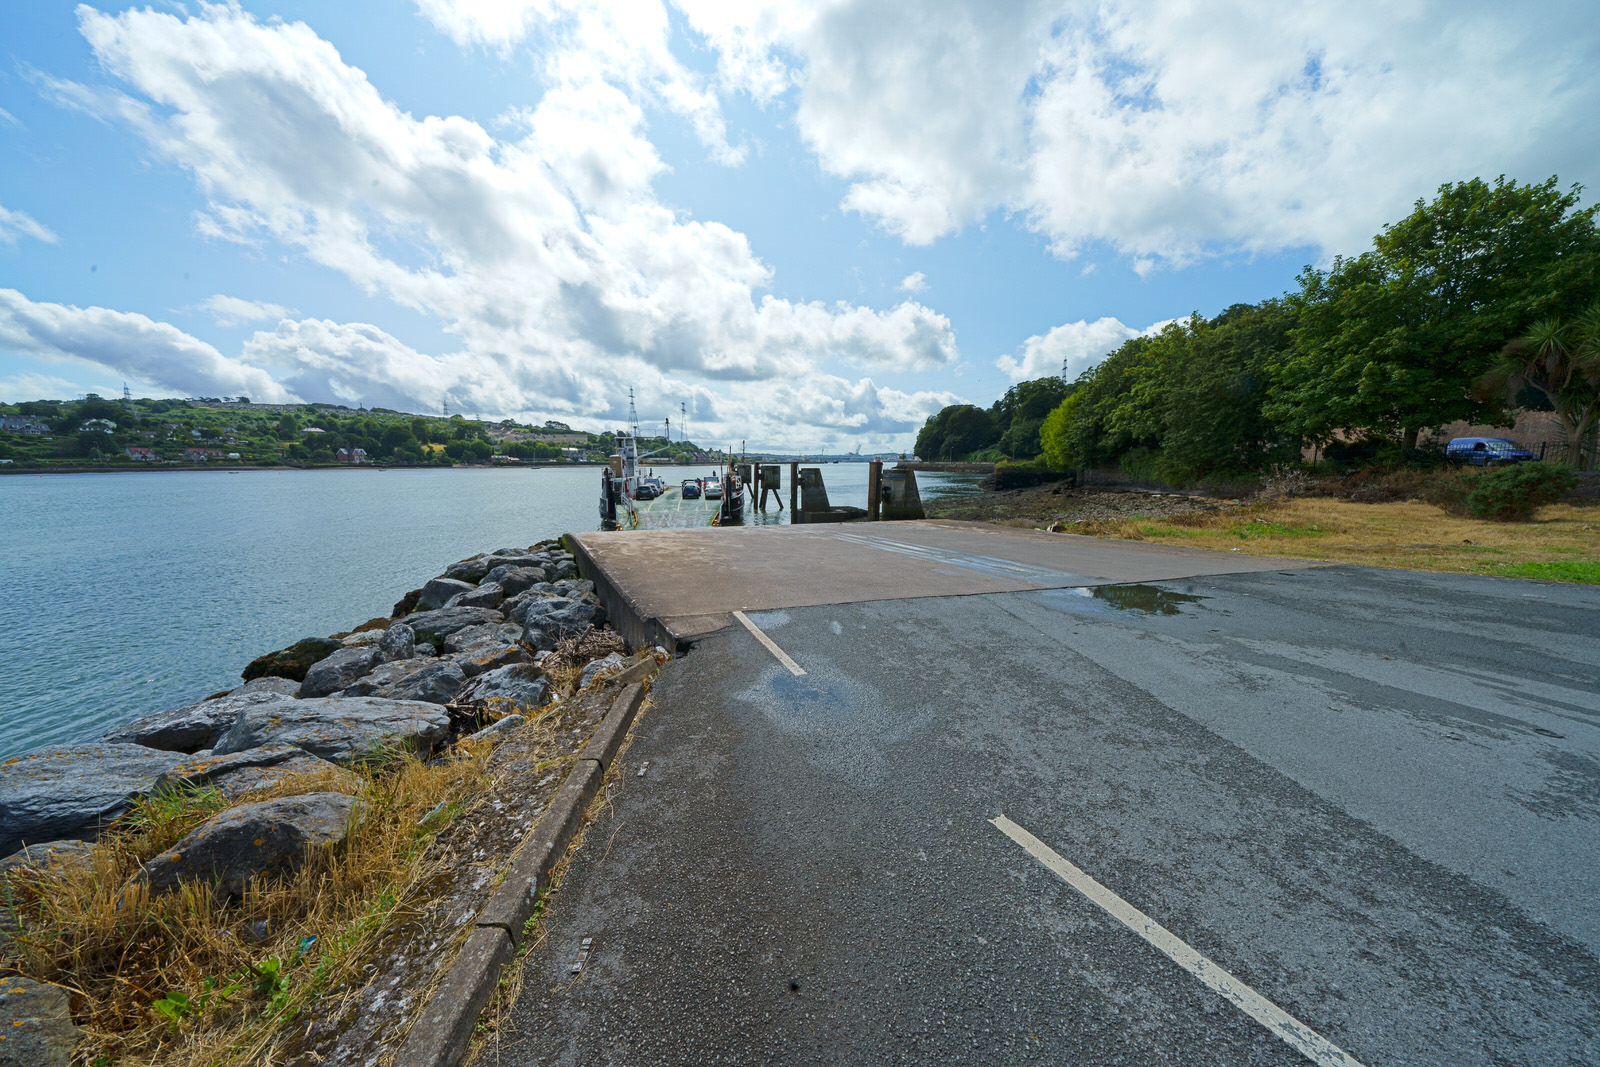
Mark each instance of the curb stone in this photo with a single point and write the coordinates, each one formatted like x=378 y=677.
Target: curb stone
x=442 y=1034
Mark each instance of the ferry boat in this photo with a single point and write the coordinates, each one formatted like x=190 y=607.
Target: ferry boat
x=633 y=500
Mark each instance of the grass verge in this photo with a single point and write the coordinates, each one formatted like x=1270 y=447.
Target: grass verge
x=1561 y=544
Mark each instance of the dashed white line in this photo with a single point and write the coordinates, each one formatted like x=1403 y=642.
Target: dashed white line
x=1310 y=1044
x=783 y=657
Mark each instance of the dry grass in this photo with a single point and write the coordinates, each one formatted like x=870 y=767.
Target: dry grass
x=188 y=978
x=1561 y=544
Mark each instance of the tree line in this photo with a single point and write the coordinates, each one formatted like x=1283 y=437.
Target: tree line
x=1481 y=303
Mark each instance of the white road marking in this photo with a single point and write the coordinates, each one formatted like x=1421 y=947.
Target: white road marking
x=783 y=657
x=1304 y=1040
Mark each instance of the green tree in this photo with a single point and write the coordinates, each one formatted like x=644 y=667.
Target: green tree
x=956 y=431
x=1392 y=340
x=1561 y=361
x=1055 y=439
x=1021 y=412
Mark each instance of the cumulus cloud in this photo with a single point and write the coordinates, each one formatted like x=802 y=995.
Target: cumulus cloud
x=1166 y=129
x=915 y=282
x=544 y=250
x=14 y=224
x=234 y=311
x=1071 y=348
x=129 y=345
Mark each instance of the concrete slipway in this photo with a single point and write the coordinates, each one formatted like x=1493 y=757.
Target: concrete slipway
x=961 y=794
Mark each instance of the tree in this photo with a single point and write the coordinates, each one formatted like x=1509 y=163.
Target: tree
x=956 y=431
x=1561 y=361
x=1392 y=340
x=1055 y=439
x=1021 y=412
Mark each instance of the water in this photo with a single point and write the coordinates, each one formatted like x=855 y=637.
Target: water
x=128 y=593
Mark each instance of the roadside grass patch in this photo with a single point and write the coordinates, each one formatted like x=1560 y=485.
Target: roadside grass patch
x=1579 y=571
x=187 y=977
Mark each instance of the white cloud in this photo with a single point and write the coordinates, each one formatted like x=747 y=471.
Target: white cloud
x=129 y=345
x=1077 y=346
x=914 y=282
x=545 y=251
x=234 y=311
x=14 y=224
x=15 y=388
x=1166 y=129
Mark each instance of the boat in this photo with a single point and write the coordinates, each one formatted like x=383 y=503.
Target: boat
x=623 y=489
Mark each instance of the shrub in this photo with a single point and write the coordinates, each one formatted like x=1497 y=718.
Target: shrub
x=1017 y=475
x=1512 y=494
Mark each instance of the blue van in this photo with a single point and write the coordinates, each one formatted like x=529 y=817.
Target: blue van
x=1486 y=451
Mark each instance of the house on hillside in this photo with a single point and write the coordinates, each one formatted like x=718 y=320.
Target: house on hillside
x=202 y=455
x=103 y=425
x=351 y=455
x=22 y=424
x=143 y=455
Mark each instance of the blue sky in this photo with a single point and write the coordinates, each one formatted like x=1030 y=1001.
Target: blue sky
x=810 y=224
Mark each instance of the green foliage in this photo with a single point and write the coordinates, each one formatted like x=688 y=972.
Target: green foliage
x=1512 y=494
x=1581 y=571
x=1559 y=361
x=1054 y=435
x=956 y=432
x=1390 y=341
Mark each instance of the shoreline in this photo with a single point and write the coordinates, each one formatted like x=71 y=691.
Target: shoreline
x=244 y=468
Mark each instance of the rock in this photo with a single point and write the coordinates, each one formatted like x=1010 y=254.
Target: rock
x=548 y=621
x=399 y=642
x=437 y=683
x=439 y=591
x=362 y=638
x=66 y=853
x=564 y=568
x=464 y=639
x=516 y=609
x=35 y=1024
x=387 y=674
x=574 y=588
x=517 y=686
x=294 y=661
x=238 y=773
x=198 y=725
x=406 y=604
x=266 y=839
x=487 y=656
x=341 y=729
x=487 y=595
x=604 y=665
x=468 y=570
x=435 y=626
x=427 y=649
x=493 y=730
x=514 y=579
x=339 y=670
x=52 y=793
x=268 y=684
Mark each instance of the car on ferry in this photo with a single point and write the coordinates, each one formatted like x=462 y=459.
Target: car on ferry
x=713 y=489
x=691 y=489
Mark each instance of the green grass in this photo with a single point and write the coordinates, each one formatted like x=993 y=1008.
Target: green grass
x=1151 y=530
x=1582 y=571
x=1246 y=531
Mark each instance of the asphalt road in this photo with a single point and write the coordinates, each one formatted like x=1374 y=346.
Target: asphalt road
x=1372 y=796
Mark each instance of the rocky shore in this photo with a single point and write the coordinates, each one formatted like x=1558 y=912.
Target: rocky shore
x=494 y=640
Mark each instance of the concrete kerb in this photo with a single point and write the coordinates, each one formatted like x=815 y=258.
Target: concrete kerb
x=443 y=1033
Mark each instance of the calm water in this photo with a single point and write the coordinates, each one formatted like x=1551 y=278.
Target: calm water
x=129 y=593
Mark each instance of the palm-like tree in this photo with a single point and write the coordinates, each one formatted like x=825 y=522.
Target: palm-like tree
x=1562 y=361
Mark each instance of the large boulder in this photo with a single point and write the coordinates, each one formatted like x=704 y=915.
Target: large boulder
x=434 y=626
x=563 y=568
x=339 y=670
x=470 y=571
x=198 y=725
x=464 y=639
x=63 y=854
x=52 y=793
x=341 y=729
x=511 y=688
x=516 y=608
x=437 y=593
x=237 y=773
x=294 y=661
x=437 y=683
x=514 y=579
x=399 y=642
x=250 y=841
x=387 y=674
x=486 y=595
x=487 y=656
x=547 y=621
x=36 y=1027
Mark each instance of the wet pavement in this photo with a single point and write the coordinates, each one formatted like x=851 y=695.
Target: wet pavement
x=1370 y=796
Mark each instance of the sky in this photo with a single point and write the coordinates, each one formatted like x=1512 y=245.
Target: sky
x=805 y=226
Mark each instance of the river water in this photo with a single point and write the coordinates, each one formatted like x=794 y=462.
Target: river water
x=123 y=594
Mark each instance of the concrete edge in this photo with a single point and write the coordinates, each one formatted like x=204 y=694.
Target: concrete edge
x=622 y=613
x=604 y=742
x=442 y=1034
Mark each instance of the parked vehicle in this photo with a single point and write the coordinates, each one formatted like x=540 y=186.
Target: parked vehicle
x=713 y=489
x=1486 y=451
x=691 y=489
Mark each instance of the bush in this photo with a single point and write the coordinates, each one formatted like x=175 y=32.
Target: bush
x=1512 y=494
x=1023 y=473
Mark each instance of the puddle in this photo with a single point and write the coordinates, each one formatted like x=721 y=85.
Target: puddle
x=1144 y=599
